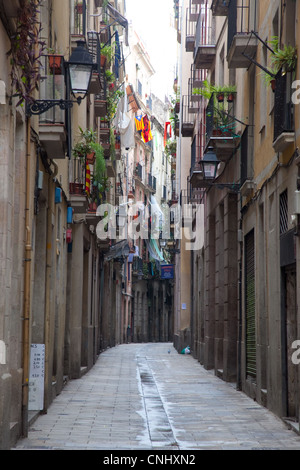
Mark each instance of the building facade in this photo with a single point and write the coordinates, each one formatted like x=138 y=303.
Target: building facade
x=243 y=322
x=71 y=159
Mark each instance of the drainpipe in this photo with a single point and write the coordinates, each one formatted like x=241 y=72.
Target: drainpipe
x=27 y=295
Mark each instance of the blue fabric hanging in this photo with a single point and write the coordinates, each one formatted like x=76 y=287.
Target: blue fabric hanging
x=117 y=55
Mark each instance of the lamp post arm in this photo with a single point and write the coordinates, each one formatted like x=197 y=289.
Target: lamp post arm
x=38 y=107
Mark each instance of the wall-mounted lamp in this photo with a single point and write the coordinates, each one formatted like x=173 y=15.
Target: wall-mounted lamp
x=79 y=73
x=209 y=167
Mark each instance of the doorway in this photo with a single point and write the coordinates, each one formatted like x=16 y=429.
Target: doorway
x=290 y=335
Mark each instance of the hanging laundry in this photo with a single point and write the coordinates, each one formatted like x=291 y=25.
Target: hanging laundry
x=166 y=135
x=146 y=133
x=117 y=55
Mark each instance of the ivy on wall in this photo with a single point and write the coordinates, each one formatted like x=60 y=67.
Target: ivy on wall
x=26 y=51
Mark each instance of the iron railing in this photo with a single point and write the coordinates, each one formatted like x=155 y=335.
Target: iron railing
x=78 y=176
x=52 y=87
x=205 y=29
x=244 y=156
x=187 y=120
x=78 y=17
x=220 y=118
x=190 y=33
x=95 y=49
x=241 y=18
x=283 y=106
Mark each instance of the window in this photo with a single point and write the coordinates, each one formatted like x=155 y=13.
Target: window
x=284 y=212
x=250 y=305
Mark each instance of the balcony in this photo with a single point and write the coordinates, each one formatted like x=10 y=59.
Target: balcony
x=111 y=168
x=194 y=11
x=196 y=178
x=77 y=187
x=139 y=171
x=221 y=125
x=187 y=122
x=205 y=46
x=220 y=7
x=78 y=22
x=284 y=121
x=100 y=101
x=178 y=24
x=241 y=22
x=104 y=136
x=190 y=33
x=197 y=77
x=137 y=266
x=95 y=51
x=52 y=123
x=193 y=97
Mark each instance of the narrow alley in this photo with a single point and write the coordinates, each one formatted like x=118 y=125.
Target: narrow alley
x=149 y=397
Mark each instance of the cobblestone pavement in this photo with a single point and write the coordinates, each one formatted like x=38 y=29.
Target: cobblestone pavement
x=147 y=397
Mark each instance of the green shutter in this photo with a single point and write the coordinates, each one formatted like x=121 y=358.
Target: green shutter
x=250 y=305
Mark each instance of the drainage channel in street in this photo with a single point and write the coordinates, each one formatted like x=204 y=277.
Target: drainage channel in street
x=158 y=424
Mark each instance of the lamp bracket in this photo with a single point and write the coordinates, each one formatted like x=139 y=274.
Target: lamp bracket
x=233 y=186
x=38 y=107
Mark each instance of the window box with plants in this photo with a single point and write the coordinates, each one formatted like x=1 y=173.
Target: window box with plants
x=87 y=148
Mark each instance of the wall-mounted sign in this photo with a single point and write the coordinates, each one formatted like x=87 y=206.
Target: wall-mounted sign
x=36 y=377
x=167 y=271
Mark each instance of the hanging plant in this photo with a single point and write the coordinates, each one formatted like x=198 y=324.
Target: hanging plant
x=284 y=60
x=26 y=51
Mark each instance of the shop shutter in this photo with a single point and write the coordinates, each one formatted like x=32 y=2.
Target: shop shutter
x=250 y=305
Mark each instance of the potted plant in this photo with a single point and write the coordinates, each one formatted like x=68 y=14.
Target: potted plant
x=284 y=60
x=55 y=61
x=220 y=96
x=220 y=91
x=106 y=54
x=230 y=93
x=170 y=148
x=79 y=8
x=87 y=147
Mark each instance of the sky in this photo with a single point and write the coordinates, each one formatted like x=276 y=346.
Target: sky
x=152 y=21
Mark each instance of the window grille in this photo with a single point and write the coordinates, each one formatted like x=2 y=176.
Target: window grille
x=284 y=225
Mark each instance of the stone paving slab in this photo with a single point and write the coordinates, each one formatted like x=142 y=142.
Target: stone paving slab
x=141 y=397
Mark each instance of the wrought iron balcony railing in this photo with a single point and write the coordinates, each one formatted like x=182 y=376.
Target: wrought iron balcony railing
x=241 y=18
x=78 y=17
x=220 y=111
x=284 y=120
x=204 y=53
x=187 y=120
x=52 y=87
x=190 y=33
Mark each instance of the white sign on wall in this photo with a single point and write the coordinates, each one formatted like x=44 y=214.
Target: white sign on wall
x=36 y=377
x=2 y=353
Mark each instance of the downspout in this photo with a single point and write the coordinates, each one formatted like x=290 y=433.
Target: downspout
x=27 y=294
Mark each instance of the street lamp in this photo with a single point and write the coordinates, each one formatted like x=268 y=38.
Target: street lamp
x=208 y=170
x=80 y=68
x=79 y=71
x=209 y=164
